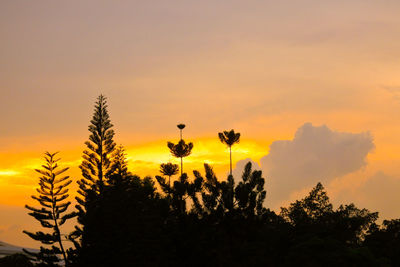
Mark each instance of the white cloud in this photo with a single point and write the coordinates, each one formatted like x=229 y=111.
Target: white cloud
x=316 y=154
x=239 y=168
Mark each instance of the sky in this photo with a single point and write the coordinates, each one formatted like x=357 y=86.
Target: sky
x=312 y=86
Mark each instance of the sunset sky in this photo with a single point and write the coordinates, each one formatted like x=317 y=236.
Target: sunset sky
x=312 y=86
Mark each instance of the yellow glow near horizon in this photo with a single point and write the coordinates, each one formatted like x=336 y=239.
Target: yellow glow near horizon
x=19 y=180
x=8 y=173
x=145 y=159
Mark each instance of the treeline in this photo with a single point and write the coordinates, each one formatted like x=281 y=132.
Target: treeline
x=197 y=220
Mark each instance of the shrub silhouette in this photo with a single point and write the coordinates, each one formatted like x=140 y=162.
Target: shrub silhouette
x=16 y=260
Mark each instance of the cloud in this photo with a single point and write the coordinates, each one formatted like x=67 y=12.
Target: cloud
x=380 y=192
x=239 y=168
x=315 y=154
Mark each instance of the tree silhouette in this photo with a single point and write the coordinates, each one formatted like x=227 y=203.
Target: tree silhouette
x=322 y=235
x=169 y=169
x=384 y=241
x=311 y=208
x=96 y=158
x=229 y=219
x=180 y=150
x=16 y=260
x=229 y=138
x=118 y=171
x=125 y=226
x=223 y=197
x=52 y=192
x=181 y=126
x=96 y=163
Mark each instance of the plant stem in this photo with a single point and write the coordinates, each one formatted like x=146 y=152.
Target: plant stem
x=230 y=157
x=181 y=166
x=53 y=207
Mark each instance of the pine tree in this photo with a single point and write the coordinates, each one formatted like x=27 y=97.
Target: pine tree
x=118 y=171
x=169 y=169
x=96 y=163
x=223 y=197
x=52 y=192
x=96 y=158
x=229 y=138
x=181 y=149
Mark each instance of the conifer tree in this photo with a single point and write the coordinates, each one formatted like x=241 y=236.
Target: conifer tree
x=118 y=171
x=96 y=163
x=223 y=197
x=229 y=138
x=181 y=149
x=100 y=147
x=53 y=192
x=169 y=169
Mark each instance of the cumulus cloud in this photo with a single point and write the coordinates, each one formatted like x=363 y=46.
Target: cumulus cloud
x=315 y=154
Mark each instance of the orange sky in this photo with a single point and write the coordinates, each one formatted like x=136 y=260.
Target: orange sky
x=262 y=68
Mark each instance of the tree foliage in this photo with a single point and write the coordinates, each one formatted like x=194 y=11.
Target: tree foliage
x=219 y=198
x=96 y=161
x=169 y=169
x=310 y=209
x=16 y=260
x=322 y=235
x=118 y=171
x=125 y=225
x=53 y=193
x=229 y=138
x=180 y=150
x=97 y=164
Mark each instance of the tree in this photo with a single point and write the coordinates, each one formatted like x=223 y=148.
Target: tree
x=52 y=192
x=181 y=126
x=16 y=260
x=322 y=235
x=228 y=220
x=118 y=171
x=96 y=163
x=229 y=138
x=311 y=208
x=96 y=158
x=223 y=197
x=169 y=169
x=384 y=241
x=125 y=226
x=180 y=150
x=315 y=213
